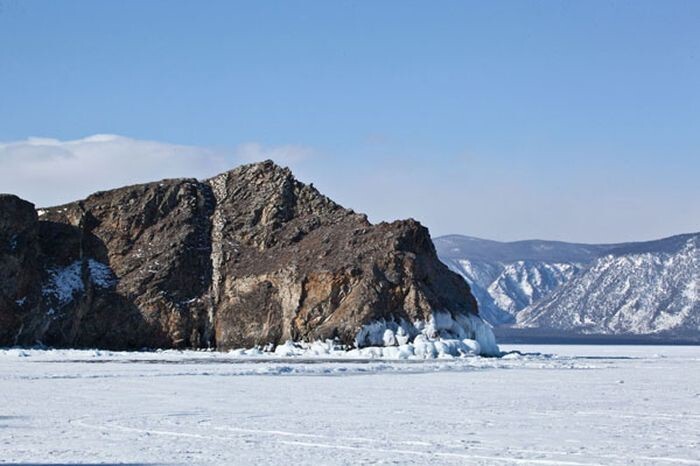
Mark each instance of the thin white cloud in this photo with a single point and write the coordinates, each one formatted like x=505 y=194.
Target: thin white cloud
x=474 y=196
x=50 y=171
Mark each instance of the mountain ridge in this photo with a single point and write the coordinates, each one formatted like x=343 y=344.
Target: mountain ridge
x=533 y=249
x=515 y=287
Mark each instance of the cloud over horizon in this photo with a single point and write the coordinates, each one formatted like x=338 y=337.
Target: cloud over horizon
x=475 y=195
x=49 y=171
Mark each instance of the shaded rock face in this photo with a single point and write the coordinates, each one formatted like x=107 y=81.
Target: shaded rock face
x=247 y=258
x=19 y=277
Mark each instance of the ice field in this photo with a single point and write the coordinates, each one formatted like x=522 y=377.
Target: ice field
x=557 y=405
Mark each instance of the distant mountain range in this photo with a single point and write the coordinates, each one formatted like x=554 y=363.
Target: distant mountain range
x=552 y=289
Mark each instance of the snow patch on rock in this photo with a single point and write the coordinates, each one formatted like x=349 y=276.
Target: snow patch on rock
x=101 y=274
x=64 y=283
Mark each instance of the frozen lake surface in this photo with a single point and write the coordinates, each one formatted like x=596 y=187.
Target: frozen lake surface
x=568 y=405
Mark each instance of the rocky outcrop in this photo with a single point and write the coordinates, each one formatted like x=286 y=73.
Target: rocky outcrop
x=250 y=257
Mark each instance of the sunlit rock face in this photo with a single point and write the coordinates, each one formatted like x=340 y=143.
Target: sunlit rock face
x=249 y=257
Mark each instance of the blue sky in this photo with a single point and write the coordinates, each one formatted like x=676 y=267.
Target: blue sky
x=507 y=120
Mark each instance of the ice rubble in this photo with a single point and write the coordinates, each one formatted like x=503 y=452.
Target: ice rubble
x=420 y=348
x=442 y=334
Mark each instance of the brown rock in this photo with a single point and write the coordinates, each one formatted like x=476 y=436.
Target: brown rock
x=249 y=257
x=19 y=268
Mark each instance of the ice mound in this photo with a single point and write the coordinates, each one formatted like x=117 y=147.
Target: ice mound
x=420 y=348
x=443 y=334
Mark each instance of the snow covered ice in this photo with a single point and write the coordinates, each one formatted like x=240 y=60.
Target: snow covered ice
x=312 y=404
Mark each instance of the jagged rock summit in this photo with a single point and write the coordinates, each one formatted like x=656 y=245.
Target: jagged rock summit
x=249 y=257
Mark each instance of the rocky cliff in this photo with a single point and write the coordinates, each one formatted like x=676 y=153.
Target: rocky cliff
x=249 y=257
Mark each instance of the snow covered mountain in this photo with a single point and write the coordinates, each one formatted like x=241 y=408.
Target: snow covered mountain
x=643 y=288
x=508 y=277
x=563 y=288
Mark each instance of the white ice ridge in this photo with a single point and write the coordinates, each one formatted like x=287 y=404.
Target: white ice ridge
x=420 y=348
x=442 y=334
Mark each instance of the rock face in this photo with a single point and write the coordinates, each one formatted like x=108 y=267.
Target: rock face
x=249 y=257
x=19 y=278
